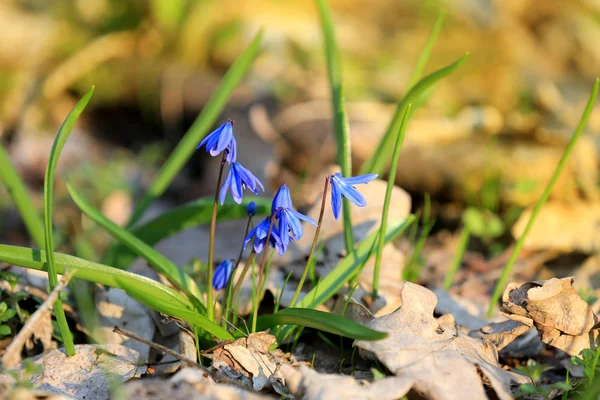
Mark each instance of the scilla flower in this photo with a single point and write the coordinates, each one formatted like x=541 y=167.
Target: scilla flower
x=259 y=233
x=345 y=187
x=239 y=178
x=222 y=275
x=221 y=139
x=289 y=219
x=251 y=209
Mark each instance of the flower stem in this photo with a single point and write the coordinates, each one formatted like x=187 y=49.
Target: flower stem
x=314 y=245
x=211 y=244
x=261 y=273
x=240 y=280
x=228 y=296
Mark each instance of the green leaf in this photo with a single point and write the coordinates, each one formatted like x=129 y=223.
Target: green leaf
x=321 y=320
x=340 y=119
x=18 y=192
x=380 y=158
x=162 y=264
x=536 y=210
x=59 y=143
x=8 y=314
x=200 y=127
x=93 y=272
x=422 y=61
x=388 y=199
x=191 y=317
x=350 y=266
x=3 y=308
x=5 y=330
x=175 y=220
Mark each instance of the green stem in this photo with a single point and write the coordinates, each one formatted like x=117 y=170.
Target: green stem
x=458 y=257
x=230 y=284
x=388 y=198
x=538 y=207
x=240 y=280
x=314 y=245
x=211 y=244
x=261 y=274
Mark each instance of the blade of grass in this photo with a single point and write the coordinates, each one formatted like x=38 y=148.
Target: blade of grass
x=426 y=52
x=18 y=192
x=177 y=219
x=387 y=200
x=199 y=128
x=350 y=266
x=57 y=146
x=162 y=264
x=536 y=210
x=340 y=120
x=320 y=320
x=90 y=271
x=458 y=257
x=380 y=157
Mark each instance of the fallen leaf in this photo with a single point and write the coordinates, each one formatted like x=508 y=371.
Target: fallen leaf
x=86 y=374
x=436 y=358
x=501 y=334
x=250 y=360
x=563 y=319
x=308 y=384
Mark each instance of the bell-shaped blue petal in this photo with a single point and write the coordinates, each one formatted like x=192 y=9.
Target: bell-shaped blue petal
x=259 y=233
x=290 y=228
x=238 y=179
x=222 y=275
x=282 y=199
x=344 y=187
x=219 y=140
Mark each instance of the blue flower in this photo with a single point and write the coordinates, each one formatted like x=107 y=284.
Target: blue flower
x=251 y=209
x=345 y=187
x=221 y=139
x=260 y=237
x=238 y=179
x=289 y=219
x=222 y=275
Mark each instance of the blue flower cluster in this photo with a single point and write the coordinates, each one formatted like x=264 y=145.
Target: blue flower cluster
x=288 y=228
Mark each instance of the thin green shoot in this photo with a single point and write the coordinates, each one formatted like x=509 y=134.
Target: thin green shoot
x=340 y=119
x=59 y=143
x=426 y=52
x=312 y=362
x=280 y=294
x=458 y=257
x=538 y=207
x=18 y=192
x=388 y=199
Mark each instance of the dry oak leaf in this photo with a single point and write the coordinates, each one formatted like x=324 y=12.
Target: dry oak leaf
x=563 y=319
x=444 y=363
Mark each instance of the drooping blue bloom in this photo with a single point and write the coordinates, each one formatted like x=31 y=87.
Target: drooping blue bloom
x=221 y=139
x=344 y=187
x=251 y=209
x=290 y=227
x=238 y=179
x=222 y=274
x=259 y=233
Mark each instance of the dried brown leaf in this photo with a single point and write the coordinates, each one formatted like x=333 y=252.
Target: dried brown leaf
x=436 y=358
x=563 y=319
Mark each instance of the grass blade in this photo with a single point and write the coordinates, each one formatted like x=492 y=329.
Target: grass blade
x=320 y=320
x=426 y=52
x=93 y=272
x=200 y=127
x=458 y=257
x=536 y=210
x=163 y=265
x=350 y=266
x=340 y=120
x=189 y=316
x=59 y=143
x=387 y=200
x=18 y=192
x=177 y=219
x=379 y=159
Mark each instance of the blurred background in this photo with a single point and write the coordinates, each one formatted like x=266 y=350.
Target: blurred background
x=483 y=146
